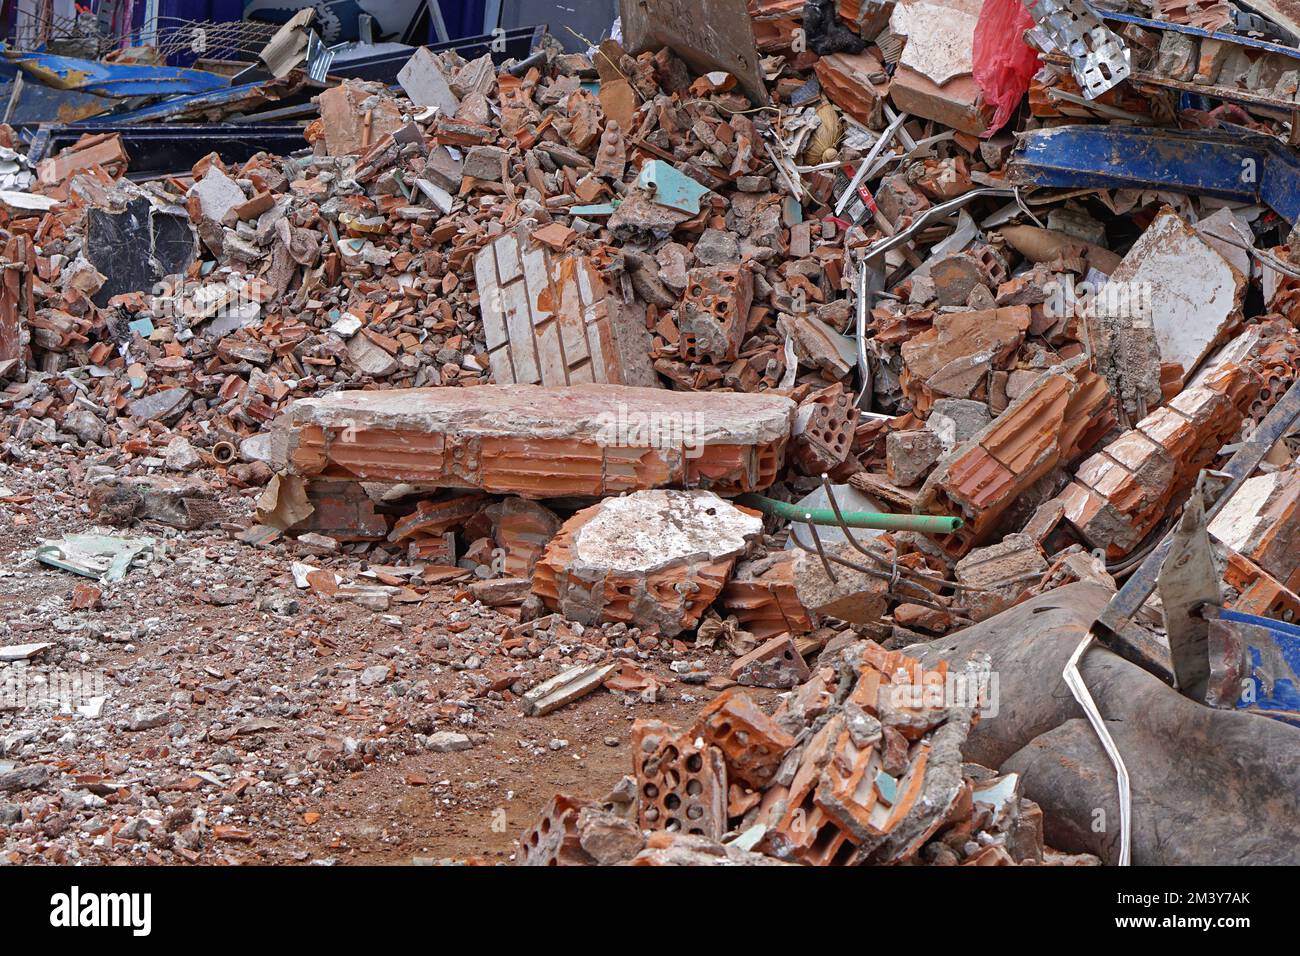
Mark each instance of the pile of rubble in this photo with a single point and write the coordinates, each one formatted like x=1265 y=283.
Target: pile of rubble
x=860 y=764
x=809 y=358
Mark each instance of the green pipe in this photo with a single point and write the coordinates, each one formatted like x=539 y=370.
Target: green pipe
x=927 y=524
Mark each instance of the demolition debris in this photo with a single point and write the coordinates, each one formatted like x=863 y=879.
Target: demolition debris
x=718 y=387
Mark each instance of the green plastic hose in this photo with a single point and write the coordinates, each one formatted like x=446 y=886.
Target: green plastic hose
x=927 y=524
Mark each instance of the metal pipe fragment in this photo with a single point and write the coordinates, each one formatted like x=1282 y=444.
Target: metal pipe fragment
x=926 y=524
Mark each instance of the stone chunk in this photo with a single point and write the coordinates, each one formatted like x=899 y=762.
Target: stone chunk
x=484 y=162
x=1006 y=571
x=910 y=455
x=425 y=84
x=654 y=559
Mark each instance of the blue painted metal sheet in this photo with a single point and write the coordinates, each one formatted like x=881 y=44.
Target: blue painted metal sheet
x=1275 y=688
x=1229 y=165
x=248 y=95
x=113 y=79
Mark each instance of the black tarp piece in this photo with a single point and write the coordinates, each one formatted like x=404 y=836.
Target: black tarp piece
x=135 y=248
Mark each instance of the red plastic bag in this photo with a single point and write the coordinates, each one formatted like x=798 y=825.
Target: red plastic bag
x=1004 y=62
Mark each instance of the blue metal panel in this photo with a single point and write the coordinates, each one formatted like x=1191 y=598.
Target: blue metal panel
x=179 y=105
x=113 y=79
x=1273 y=668
x=1229 y=165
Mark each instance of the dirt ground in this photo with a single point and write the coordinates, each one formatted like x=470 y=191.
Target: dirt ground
x=249 y=721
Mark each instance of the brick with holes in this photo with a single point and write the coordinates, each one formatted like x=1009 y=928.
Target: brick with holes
x=681 y=787
x=752 y=743
x=554 y=839
x=714 y=313
x=823 y=431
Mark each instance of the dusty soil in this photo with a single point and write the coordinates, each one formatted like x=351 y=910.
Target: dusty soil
x=277 y=725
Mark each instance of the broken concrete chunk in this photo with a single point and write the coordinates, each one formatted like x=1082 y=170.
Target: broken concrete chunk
x=1002 y=573
x=425 y=84
x=910 y=455
x=520 y=439
x=653 y=559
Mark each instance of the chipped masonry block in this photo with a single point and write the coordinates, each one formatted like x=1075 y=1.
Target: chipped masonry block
x=953 y=357
x=853 y=597
x=1262 y=522
x=957 y=275
x=1006 y=572
x=654 y=559
x=553 y=320
x=1171 y=299
x=777 y=663
x=554 y=839
x=425 y=84
x=933 y=78
x=910 y=455
x=789 y=593
x=958 y=104
x=866 y=17
x=1270 y=345
x=752 y=743
x=349 y=129
x=681 y=787
x=539 y=442
x=823 y=431
x=715 y=312
x=1119 y=494
x=847 y=80
x=762 y=597
x=521 y=529
x=1065 y=411
x=433 y=517
x=565 y=688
